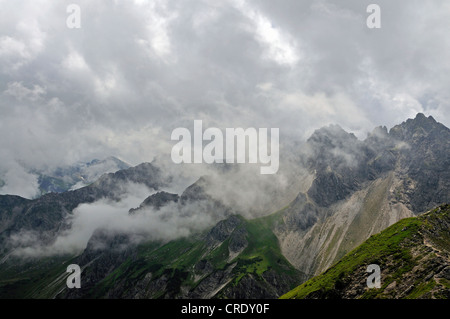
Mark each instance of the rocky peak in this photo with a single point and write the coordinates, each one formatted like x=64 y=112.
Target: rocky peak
x=414 y=129
x=379 y=139
x=331 y=136
x=196 y=191
x=333 y=148
x=222 y=230
x=156 y=201
x=378 y=133
x=144 y=173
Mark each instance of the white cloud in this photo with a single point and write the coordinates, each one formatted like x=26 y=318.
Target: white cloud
x=157 y=18
x=135 y=71
x=75 y=62
x=20 y=92
x=18 y=181
x=280 y=46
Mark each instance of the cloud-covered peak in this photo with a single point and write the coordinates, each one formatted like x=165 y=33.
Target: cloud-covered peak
x=134 y=71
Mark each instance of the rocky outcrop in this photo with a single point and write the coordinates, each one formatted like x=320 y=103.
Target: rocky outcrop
x=222 y=231
x=156 y=201
x=269 y=285
x=212 y=284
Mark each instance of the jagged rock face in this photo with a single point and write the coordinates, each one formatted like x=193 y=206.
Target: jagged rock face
x=156 y=201
x=416 y=149
x=301 y=215
x=268 y=286
x=212 y=284
x=340 y=161
x=196 y=191
x=362 y=187
x=222 y=231
x=329 y=188
x=109 y=185
x=425 y=161
x=238 y=242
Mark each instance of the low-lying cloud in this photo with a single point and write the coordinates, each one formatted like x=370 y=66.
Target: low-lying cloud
x=17 y=180
x=170 y=222
x=238 y=189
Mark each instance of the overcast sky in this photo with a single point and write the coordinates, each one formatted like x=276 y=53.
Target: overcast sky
x=135 y=71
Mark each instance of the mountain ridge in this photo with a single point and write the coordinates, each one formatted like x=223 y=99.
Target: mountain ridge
x=356 y=189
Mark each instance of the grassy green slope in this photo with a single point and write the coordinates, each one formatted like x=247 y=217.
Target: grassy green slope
x=263 y=252
x=410 y=253
x=31 y=279
x=176 y=261
x=156 y=270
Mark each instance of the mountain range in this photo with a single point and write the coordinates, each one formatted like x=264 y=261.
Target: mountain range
x=352 y=194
